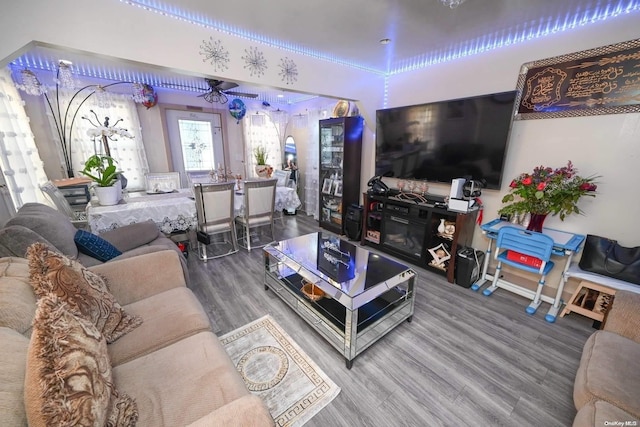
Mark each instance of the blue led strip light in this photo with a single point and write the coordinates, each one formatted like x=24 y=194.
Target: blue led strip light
x=518 y=34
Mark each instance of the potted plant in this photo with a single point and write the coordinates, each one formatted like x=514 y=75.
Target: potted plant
x=547 y=191
x=102 y=170
x=261 y=154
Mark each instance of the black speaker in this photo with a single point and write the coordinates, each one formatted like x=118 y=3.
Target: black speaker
x=469 y=264
x=353 y=225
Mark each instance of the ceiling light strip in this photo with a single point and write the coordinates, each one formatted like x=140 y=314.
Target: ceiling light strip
x=205 y=22
x=499 y=40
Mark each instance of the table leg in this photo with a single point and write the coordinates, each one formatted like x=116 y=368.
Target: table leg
x=485 y=267
x=552 y=314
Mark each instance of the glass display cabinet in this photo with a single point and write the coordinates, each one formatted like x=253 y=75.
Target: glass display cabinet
x=340 y=160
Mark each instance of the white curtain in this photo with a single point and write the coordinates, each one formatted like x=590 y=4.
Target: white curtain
x=129 y=153
x=261 y=130
x=20 y=162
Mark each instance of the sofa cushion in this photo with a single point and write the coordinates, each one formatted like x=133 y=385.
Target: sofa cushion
x=95 y=246
x=181 y=383
x=168 y=317
x=12 y=370
x=603 y=414
x=17 y=301
x=52 y=225
x=68 y=377
x=609 y=371
x=16 y=239
x=84 y=291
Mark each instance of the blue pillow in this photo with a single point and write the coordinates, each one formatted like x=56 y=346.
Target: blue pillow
x=95 y=246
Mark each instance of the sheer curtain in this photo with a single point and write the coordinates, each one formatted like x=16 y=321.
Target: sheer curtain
x=260 y=130
x=20 y=162
x=129 y=153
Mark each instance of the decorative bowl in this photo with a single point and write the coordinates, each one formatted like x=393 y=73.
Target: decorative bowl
x=312 y=292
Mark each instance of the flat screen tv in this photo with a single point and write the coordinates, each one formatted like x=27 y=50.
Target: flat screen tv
x=444 y=140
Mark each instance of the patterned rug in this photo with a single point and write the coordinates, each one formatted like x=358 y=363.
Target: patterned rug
x=274 y=368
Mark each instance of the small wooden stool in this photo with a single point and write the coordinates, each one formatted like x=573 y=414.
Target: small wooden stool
x=578 y=302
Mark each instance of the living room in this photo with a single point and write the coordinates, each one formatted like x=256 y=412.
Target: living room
x=603 y=145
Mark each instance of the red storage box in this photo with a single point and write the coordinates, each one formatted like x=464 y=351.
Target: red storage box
x=524 y=259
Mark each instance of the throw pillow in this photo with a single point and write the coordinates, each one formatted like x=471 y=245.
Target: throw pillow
x=84 y=291
x=68 y=377
x=95 y=246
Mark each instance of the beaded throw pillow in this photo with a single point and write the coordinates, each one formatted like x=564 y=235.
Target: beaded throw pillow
x=68 y=377
x=95 y=246
x=84 y=291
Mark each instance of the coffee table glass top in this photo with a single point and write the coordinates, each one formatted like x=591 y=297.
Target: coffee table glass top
x=344 y=266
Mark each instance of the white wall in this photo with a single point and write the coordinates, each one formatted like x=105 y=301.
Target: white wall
x=606 y=145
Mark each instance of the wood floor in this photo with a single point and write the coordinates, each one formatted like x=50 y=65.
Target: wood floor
x=465 y=360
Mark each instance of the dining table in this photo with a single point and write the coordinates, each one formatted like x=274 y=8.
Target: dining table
x=173 y=211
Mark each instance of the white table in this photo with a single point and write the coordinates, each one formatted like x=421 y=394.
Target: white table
x=171 y=211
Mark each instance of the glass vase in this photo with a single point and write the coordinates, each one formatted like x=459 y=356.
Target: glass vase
x=536 y=222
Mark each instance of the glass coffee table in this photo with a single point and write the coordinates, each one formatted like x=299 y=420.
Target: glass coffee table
x=362 y=295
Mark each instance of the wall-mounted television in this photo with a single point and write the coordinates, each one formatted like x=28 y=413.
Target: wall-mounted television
x=444 y=140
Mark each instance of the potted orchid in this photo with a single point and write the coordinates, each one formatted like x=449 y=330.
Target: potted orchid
x=102 y=170
x=547 y=191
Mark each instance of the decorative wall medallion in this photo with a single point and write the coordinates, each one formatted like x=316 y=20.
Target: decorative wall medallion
x=216 y=53
x=254 y=61
x=288 y=70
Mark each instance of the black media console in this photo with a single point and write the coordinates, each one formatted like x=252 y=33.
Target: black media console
x=417 y=228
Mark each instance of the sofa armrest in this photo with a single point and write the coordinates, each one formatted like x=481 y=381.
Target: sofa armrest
x=132 y=236
x=136 y=278
x=624 y=316
x=248 y=411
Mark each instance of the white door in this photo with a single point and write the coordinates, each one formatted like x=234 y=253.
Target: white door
x=196 y=141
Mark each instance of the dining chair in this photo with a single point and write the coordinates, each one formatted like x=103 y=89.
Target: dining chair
x=526 y=250
x=214 y=210
x=78 y=218
x=259 y=203
x=162 y=182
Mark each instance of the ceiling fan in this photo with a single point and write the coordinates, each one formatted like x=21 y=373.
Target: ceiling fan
x=219 y=89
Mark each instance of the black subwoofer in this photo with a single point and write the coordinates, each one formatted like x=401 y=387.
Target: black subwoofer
x=353 y=224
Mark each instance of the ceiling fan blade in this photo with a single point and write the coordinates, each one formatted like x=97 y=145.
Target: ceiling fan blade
x=183 y=87
x=220 y=84
x=246 y=95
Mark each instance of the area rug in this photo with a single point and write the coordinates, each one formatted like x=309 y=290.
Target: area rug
x=276 y=369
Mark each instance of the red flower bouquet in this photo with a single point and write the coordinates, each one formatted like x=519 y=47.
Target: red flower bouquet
x=548 y=191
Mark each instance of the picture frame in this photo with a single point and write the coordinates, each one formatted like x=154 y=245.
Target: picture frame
x=587 y=83
x=337 y=189
x=327 y=185
x=439 y=254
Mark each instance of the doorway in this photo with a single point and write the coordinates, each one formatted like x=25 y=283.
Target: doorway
x=196 y=141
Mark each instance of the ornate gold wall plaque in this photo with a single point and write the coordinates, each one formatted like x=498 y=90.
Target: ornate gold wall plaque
x=604 y=80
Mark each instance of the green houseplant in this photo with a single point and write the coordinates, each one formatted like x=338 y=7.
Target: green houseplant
x=102 y=170
x=261 y=154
